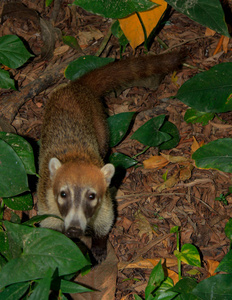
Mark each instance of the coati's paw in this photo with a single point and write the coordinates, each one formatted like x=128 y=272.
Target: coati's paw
x=99 y=254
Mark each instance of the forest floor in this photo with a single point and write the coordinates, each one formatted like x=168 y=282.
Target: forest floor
x=145 y=216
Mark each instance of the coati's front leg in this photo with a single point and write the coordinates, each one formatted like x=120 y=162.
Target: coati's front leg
x=99 y=248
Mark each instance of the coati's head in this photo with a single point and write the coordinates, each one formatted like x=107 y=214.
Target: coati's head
x=79 y=190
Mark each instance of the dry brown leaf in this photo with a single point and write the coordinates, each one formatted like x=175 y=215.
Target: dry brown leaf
x=102 y=278
x=156 y=161
x=170 y=182
x=174 y=159
x=140 y=263
x=209 y=32
x=186 y=172
x=225 y=43
x=195 y=145
x=143 y=225
x=212 y=266
x=61 y=50
x=132 y=27
x=86 y=36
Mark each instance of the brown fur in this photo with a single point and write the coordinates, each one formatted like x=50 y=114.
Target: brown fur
x=75 y=133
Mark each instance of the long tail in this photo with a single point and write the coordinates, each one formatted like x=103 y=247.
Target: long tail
x=123 y=72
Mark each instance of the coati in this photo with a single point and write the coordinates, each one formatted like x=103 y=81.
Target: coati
x=74 y=180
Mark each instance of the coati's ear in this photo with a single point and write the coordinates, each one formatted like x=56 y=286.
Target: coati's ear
x=54 y=165
x=108 y=172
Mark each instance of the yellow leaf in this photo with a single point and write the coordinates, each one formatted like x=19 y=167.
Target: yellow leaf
x=186 y=173
x=170 y=182
x=132 y=28
x=155 y=162
x=209 y=32
x=195 y=145
x=212 y=266
x=174 y=159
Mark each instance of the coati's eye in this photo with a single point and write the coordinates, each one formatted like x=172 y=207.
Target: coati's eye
x=63 y=194
x=92 y=196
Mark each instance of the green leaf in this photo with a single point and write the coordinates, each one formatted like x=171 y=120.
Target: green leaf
x=12 y=172
x=207 y=13
x=164 y=292
x=5 y=81
x=13 y=53
x=118 y=33
x=37 y=219
x=155 y=279
x=137 y=297
x=42 y=289
x=215 y=155
x=174 y=229
x=172 y=130
x=85 y=64
x=115 y=9
x=71 y=41
x=210 y=91
x=118 y=126
x=185 y=285
x=228 y=229
x=21 y=202
x=194 y=116
x=42 y=249
x=48 y=2
x=22 y=148
x=120 y=160
x=14 y=291
x=73 y=287
x=226 y=263
x=149 y=134
x=217 y=287
x=189 y=255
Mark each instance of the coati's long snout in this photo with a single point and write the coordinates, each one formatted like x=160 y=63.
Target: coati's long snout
x=74 y=180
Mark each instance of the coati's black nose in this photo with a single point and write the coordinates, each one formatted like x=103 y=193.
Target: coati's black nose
x=74 y=232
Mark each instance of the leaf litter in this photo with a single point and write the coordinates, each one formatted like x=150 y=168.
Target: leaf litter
x=141 y=235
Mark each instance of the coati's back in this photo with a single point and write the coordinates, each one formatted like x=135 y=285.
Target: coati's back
x=73 y=180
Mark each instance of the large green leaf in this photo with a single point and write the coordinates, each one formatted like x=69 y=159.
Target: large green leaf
x=210 y=91
x=226 y=263
x=21 y=202
x=85 y=64
x=5 y=81
x=42 y=289
x=215 y=155
x=13 y=53
x=217 y=287
x=14 y=291
x=118 y=33
x=194 y=116
x=22 y=148
x=228 y=229
x=155 y=279
x=150 y=134
x=12 y=172
x=118 y=126
x=120 y=160
x=172 y=130
x=205 y=12
x=189 y=255
x=114 y=9
x=42 y=249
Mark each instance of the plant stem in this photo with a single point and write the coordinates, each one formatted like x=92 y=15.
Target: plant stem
x=144 y=150
x=143 y=27
x=2 y=209
x=178 y=248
